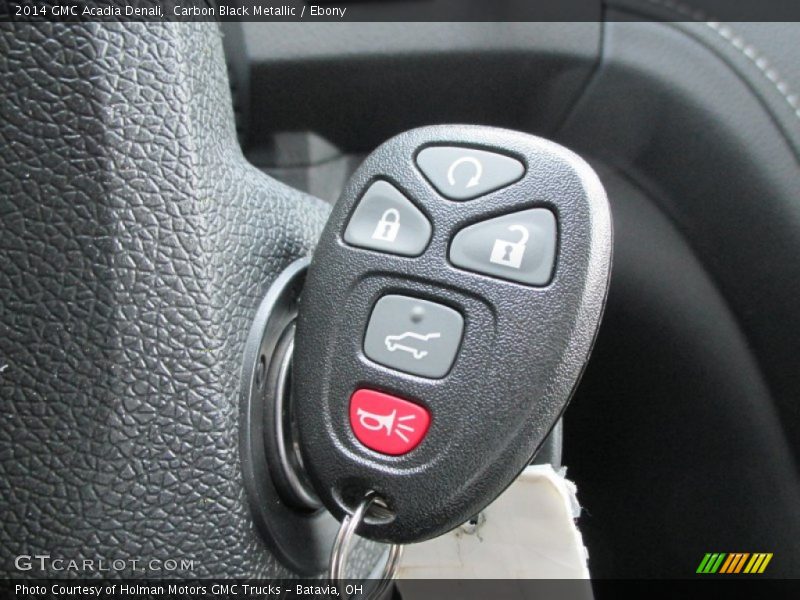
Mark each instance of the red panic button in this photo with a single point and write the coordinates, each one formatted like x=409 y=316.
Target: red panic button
x=387 y=424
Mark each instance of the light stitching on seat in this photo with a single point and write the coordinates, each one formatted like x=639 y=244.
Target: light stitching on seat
x=749 y=51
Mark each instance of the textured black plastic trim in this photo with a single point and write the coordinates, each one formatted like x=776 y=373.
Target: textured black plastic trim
x=136 y=245
x=301 y=539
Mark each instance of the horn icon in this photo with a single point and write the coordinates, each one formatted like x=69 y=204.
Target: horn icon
x=375 y=422
x=387 y=424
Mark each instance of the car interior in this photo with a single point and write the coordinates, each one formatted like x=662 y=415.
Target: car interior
x=160 y=181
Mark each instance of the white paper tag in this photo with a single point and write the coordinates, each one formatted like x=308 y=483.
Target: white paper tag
x=528 y=532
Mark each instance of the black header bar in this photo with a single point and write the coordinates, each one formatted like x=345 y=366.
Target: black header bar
x=395 y=10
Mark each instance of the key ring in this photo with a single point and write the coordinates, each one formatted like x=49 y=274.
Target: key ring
x=341 y=548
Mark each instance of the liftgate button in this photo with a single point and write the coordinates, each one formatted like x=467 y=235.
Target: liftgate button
x=387 y=424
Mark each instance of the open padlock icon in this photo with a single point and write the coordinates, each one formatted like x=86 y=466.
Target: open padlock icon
x=509 y=253
x=388 y=227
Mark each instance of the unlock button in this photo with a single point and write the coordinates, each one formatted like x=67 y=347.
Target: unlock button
x=520 y=247
x=387 y=221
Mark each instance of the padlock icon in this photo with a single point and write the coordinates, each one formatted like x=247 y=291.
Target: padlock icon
x=509 y=253
x=388 y=227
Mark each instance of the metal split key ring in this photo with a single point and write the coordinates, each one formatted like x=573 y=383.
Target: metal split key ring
x=337 y=571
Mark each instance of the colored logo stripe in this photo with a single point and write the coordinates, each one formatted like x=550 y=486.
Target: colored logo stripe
x=758 y=563
x=734 y=562
x=711 y=563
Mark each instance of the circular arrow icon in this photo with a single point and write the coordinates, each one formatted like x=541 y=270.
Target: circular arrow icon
x=475 y=177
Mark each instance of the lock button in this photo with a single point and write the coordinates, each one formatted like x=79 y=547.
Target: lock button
x=387 y=221
x=388 y=227
x=520 y=247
